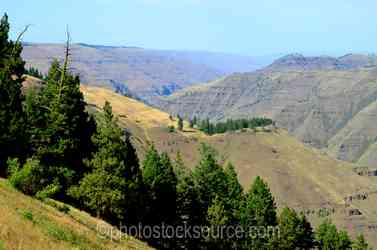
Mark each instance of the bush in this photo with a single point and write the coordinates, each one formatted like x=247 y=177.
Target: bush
x=171 y=129
x=64 y=209
x=26 y=179
x=49 y=191
x=13 y=165
x=28 y=215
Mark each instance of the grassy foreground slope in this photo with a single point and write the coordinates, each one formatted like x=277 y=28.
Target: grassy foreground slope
x=27 y=223
x=299 y=176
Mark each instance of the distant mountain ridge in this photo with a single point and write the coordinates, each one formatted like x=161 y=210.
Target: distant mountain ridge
x=145 y=73
x=300 y=62
x=329 y=103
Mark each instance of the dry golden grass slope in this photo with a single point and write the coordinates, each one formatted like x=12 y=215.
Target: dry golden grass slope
x=27 y=223
x=299 y=176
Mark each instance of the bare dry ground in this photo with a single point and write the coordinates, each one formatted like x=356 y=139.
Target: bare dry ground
x=299 y=176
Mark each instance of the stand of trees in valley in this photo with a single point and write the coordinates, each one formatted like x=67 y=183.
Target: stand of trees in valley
x=50 y=147
x=229 y=125
x=34 y=72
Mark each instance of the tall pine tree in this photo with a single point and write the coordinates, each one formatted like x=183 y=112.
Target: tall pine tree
x=234 y=197
x=187 y=203
x=329 y=238
x=210 y=180
x=113 y=187
x=259 y=211
x=12 y=137
x=295 y=232
x=60 y=128
x=161 y=183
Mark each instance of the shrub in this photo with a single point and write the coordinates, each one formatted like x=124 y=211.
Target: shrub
x=64 y=209
x=28 y=215
x=171 y=129
x=26 y=179
x=49 y=191
x=13 y=165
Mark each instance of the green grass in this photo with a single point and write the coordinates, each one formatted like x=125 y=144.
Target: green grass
x=59 y=233
x=27 y=215
x=27 y=223
x=62 y=234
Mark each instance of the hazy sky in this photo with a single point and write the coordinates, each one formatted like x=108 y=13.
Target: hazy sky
x=237 y=26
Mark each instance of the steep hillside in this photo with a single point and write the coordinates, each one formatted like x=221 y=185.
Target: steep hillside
x=27 y=223
x=299 y=176
x=346 y=62
x=146 y=73
x=314 y=105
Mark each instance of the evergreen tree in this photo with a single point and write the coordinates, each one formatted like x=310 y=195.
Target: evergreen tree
x=360 y=244
x=161 y=182
x=112 y=189
x=329 y=238
x=187 y=202
x=217 y=219
x=232 y=125
x=60 y=128
x=34 y=72
x=234 y=194
x=12 y=136
x=259 y=210
x=295 y=232
x=180 y=123
x=210 y=179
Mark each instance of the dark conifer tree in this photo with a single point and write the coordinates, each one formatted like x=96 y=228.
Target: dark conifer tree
x=12 y=136
x=210 y=179
x=161 y=183
x=187 y=203
x=259 y=210
x=328 y=237
x=295 y=232
x=113 y=187
x=234 y=197
x=60 y=128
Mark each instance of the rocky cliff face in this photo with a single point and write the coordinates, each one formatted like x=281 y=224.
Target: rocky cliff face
x=323 y=105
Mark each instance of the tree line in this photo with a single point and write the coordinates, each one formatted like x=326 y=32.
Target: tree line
x=229 y=125
x=51 y=147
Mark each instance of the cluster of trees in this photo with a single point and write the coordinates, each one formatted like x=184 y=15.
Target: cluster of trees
x=34 y=72
x=51 y=147
x=229 y=125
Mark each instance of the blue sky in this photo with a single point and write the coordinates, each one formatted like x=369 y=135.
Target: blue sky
x=249 y=27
